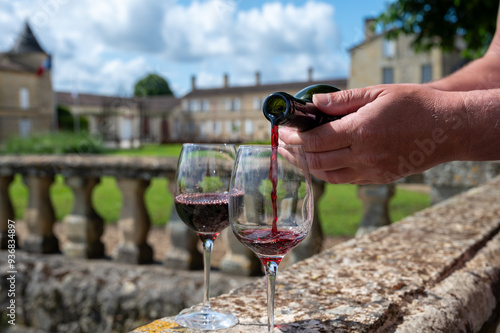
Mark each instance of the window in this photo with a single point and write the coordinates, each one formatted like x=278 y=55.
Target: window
x=236 y=127
x=233 y=104
x=205 y=105
x=24 y=98
x=24 y=127
x=257 y=103
x=389 y=48
x=185 y=105
x=126 y=129
x=194 y=105
x=426 y=73
x=218 y=128
x=237 y=104
x=248 y=127
x=229 y=104
x=387 y=75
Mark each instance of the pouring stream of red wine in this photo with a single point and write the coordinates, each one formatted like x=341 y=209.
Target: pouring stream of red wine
x=273 y=174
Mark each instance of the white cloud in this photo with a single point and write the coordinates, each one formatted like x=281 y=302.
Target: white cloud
x=104 y=47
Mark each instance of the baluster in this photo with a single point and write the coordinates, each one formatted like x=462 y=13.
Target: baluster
x=6 y=211
x=39 y=215
x=183 y=252
x=84 y=227
x=375 y=200
x=134 y=223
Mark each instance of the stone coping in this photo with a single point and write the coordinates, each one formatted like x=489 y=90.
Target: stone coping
x=88 y=165
x=435 y=271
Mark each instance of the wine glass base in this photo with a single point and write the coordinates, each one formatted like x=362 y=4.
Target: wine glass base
x=206 y=319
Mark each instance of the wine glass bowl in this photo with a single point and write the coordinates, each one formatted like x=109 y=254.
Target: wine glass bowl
x=270 y=205
x=201 y=201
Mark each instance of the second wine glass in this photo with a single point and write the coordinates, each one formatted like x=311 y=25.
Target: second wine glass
x=270 y=205
x=201 y=200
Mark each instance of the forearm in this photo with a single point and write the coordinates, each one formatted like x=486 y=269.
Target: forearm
x=483 y=73
x=482 y=110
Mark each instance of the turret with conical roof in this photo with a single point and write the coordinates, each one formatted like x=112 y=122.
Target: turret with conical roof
x=27 y=50
x=26 y=42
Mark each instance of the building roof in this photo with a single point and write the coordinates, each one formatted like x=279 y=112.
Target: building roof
x=150 y=104
x=290 y=87
x=160 y=103
x=70 y=99
x=26 y=42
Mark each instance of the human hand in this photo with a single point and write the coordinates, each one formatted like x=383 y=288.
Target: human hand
x=389 y=131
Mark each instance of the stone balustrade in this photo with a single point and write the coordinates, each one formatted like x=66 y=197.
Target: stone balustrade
x=435 y=271
x=84 y=227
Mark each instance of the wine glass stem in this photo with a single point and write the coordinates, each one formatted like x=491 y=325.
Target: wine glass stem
x=271 y=270
x=208 y=245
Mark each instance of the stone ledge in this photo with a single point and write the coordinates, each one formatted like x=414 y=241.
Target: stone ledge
x=437 y=270
x=88 y=165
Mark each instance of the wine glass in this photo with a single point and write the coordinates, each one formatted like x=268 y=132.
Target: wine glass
x=270 y=205
x=201 y=200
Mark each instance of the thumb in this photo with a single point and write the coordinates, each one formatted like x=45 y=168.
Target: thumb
x=345 y=101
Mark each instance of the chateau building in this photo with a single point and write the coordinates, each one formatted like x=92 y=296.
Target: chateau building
x=378 y=60
x=231 y=113
x=26 y=95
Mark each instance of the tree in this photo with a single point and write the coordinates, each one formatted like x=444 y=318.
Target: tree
x=152 y=85
x=65 y=120
x=439 y=22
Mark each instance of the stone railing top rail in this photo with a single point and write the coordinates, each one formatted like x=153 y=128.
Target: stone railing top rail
x=438 y=270
x=88 y=165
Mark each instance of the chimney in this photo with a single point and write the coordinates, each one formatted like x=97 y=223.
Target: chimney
x=257 y=78
x=193 y=82
x=369 y=28
x=310 y=74
x=226 y=80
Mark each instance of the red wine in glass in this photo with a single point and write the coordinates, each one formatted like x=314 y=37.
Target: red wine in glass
x=270 y=245
x=201 y=201
x=205 y=213
x=270 y=221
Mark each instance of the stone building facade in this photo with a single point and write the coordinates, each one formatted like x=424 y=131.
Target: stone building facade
x=379 y=60
x=26 y=95
x=123 y=122
x=230 y=113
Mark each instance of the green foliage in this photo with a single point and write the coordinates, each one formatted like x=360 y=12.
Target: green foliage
x=55 y=143
x=438 y=23
x=152 y=85
x=170 y=150
x=211 y=184
x=266 y=187
x=65 y=121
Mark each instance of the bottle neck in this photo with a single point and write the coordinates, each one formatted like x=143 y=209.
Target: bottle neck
x=283 y=109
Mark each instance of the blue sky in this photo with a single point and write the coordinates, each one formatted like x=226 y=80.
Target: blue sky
x=105 y=47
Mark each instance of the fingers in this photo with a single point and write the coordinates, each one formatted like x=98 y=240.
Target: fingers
x=346 y=101
x=330 y=136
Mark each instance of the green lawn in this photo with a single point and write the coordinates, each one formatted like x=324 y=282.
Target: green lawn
x=339 y=208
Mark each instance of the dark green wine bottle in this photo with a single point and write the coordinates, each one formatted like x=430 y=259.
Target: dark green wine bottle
x=283 y=109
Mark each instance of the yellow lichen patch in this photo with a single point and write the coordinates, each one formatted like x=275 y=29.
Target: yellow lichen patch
x=157 y=326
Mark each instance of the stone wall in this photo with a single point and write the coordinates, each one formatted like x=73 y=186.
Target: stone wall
x=58 y=294
x=436 y=271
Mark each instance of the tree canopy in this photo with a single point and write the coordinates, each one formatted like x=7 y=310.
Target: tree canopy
x=439 y=22
x=152 y=85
